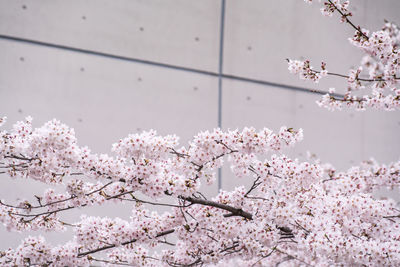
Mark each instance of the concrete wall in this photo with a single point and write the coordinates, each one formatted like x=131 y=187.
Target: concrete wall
x=104 y=68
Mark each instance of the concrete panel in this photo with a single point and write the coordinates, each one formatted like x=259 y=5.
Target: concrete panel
x=104 y=98
x=381 y=132
x=177 y=32
x=255 y=105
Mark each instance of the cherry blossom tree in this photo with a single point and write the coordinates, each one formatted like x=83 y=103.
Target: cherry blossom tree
x=294 y=213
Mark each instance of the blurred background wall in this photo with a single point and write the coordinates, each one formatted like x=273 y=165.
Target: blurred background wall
x=110 y=68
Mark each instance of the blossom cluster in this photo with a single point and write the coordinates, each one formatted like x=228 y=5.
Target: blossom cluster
x=294 y=212
x=305 y=71
x=36 y=251
x=330 y=6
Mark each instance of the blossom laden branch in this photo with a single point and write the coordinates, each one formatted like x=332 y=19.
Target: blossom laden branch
x=82 y=254
x=233 y=211
x=381 y=62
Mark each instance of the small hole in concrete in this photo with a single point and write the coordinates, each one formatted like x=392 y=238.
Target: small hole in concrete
x=248 y=98
x=19 y=110
x=141 y=29
x=139 y=79
x=197 y=39
x=195 y=88
x=82 y=69
x=249 y=48
x=301 y=106
x=22 y=59
x=84 y=17
x=80 y=120
x=24 y=7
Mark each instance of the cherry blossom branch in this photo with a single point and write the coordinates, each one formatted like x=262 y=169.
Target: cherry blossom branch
x=290 y=257
x=357 y=78
x=324 y=72
x=28 y=206
x=346 y=19
x=110 y=262
x=135 y=199
x=233 y=211
x=81 y=254
x=264 y=256
x=174 y=264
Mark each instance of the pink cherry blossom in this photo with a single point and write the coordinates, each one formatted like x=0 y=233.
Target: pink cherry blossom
x=294 y=213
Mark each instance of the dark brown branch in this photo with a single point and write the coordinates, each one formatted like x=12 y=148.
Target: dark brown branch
x=47 y=213
x=227 y=147
x=291 y=257
x=393 y=216
x=345 y=16
x=180 y=155
x=55 y=202
x=167 y=232
x=265 y=256
x=235 y=245
x=175 y=264
x=255 y=183
x=21 y=158
x=233 y=211
x=111 y=262
x=357 y=78
x=134 y=199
